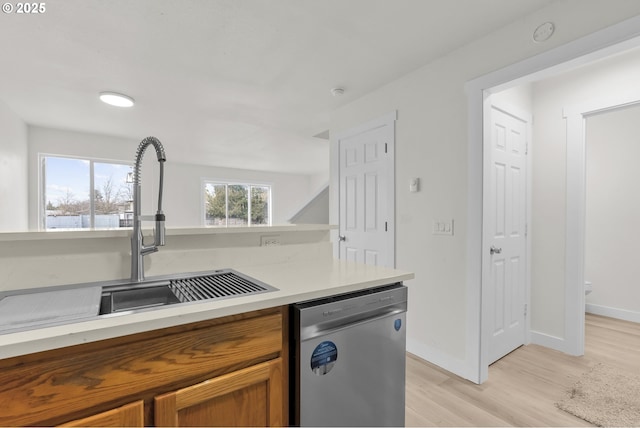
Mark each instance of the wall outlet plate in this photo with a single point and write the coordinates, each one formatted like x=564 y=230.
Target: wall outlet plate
x=269 y=240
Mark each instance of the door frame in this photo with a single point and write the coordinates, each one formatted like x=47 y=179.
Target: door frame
x=487 y=305
x=389 y=120
x=576 y=117
x=600 y=44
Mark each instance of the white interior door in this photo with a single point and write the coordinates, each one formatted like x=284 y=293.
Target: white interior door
x=505 y=243
x=366 y=195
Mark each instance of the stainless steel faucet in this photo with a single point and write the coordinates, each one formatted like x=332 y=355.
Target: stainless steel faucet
x=138 y=249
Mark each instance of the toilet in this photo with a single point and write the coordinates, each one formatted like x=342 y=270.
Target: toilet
x=588 y=288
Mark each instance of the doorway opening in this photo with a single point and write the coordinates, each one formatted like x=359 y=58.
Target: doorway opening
x=567 y=305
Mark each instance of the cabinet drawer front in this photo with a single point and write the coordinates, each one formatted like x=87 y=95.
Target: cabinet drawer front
x=248 y=397
x=129 y=415
x=56 y=389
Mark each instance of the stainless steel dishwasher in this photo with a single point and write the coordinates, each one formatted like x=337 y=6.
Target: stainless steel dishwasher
x=348 y=359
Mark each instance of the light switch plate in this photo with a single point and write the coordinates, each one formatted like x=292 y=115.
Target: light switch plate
x=443 y=227
x=414 y=185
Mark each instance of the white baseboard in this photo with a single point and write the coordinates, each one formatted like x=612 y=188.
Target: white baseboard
x=548 y=341
x=621 y=314
x=434 y=356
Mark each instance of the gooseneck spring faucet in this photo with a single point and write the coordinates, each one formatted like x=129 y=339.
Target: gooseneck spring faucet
x=138 y=249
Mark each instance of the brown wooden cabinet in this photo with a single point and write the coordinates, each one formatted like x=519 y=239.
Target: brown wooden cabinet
x=234 y=368
x=129 y=415
x=247 y=397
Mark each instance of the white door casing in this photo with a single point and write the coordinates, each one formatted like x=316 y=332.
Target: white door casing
x=505 y=266
x=366 y=193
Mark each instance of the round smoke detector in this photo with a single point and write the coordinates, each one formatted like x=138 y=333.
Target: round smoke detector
x=543 y=32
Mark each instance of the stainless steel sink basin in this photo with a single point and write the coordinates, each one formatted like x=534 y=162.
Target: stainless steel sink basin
x=178 y=289
x=143 y=296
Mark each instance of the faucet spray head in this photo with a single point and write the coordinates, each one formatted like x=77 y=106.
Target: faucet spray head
x=160 y=230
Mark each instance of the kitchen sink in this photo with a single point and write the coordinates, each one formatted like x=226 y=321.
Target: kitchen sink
x=177 y=289
x=140 y=297
x=22 y=310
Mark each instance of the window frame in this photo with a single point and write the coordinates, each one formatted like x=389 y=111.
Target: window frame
x=42 y=187
x=227 y=183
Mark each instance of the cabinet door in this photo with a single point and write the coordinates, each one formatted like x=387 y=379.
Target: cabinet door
x=129 y=415
x=247 y=397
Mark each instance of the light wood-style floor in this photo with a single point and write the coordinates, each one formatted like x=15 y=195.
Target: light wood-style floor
x=523 y=387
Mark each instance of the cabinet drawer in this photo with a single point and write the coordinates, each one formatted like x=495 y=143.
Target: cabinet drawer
x=129 y=415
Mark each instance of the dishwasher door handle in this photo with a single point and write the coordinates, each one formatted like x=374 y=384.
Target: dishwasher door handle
x=324 y=329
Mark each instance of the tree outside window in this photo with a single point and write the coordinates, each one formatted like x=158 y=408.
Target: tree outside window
x=230 y=204
x=260 y=205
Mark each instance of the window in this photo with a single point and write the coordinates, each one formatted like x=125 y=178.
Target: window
x=231 y=204
x=85 y=194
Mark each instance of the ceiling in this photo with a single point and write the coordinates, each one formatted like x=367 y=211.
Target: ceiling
x=234 y=83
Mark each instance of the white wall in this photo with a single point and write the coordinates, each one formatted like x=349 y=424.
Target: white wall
x=519 y=97
x=603 y=80
x=317 y=182
x=13 y=171
x=612 y=212
x=182 y=187
x=316 y=211
x=431 y=143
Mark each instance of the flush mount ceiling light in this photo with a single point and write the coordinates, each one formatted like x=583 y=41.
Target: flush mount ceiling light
x=336 y=92
x=116 y=99
x=543 y=32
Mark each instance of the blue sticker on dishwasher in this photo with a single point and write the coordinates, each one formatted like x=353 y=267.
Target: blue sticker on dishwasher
x=397 y=324
x=324 y=357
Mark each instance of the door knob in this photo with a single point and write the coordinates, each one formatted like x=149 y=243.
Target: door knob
x=495 y=250
x=341 y=238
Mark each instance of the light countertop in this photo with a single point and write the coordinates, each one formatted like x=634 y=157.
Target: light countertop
x=186 y=231
x=295 y=281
